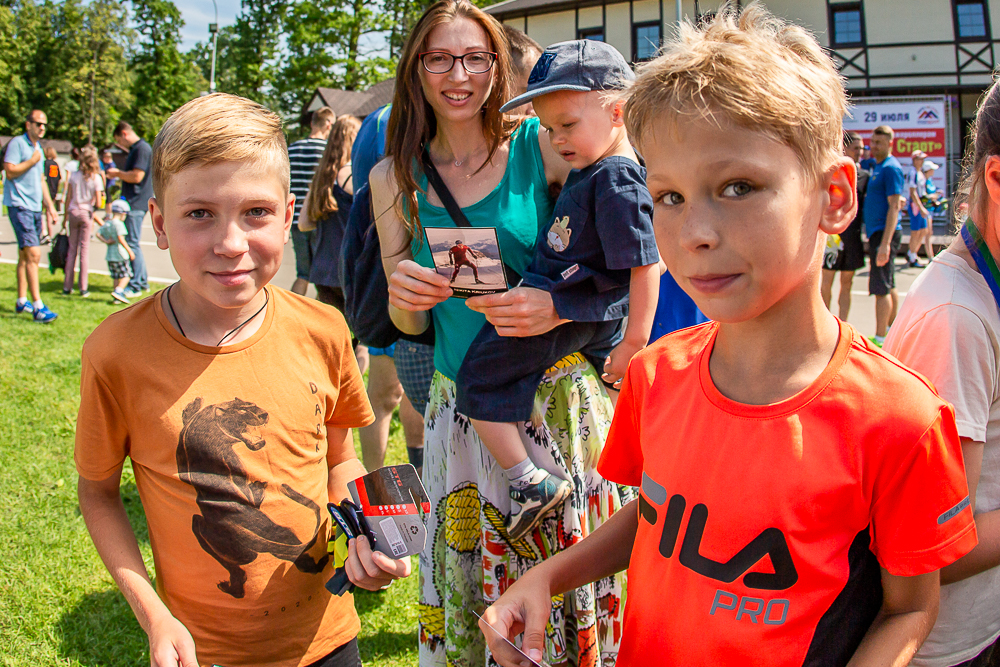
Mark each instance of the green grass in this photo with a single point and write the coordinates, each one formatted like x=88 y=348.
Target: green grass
x=58 y=605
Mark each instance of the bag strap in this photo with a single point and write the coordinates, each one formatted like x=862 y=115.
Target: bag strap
x=512 y=277
x=434 y=178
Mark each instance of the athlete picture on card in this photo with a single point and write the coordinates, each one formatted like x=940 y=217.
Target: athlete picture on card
x=469 y=257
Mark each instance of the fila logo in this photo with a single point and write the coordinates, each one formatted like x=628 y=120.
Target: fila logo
x=771 y=542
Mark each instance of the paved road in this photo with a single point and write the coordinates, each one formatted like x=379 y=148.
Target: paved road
x=862 y=313
x=157 y=261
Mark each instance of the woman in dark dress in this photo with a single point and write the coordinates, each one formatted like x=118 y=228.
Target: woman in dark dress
x=326 y=209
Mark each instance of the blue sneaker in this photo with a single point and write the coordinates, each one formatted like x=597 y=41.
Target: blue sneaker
x=44 y=315
x=25 y=307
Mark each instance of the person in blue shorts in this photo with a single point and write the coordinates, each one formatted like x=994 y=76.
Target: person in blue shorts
x=24 y=194
x=920 y=217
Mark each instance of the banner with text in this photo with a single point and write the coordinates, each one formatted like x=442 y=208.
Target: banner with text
x=919 y=125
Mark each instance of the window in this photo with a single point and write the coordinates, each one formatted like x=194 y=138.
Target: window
x=847 y=25
x=596 y=34
x=645 y=40
x=970 y=19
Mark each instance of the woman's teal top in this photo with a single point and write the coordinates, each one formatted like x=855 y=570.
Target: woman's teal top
x=517 y=207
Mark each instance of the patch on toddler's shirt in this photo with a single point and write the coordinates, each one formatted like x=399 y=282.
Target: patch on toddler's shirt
x=570 y=271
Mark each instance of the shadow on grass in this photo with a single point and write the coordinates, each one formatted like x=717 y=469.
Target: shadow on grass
x=101 y=631
x=384 y=644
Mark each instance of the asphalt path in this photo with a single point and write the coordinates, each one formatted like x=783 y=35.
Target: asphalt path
x=157 y=261
x=862 y=314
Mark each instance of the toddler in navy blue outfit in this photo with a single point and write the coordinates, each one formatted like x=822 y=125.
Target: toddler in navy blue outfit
x=598 y=255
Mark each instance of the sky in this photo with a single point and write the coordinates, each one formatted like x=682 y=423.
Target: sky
x=199 y=13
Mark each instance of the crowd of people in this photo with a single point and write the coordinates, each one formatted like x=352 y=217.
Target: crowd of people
x=655 y=446
x=87 y=189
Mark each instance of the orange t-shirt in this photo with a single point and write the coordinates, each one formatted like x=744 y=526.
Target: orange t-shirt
x=231 y=462
x=762 y=527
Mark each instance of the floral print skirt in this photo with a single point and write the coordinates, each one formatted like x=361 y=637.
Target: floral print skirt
x=470 y=561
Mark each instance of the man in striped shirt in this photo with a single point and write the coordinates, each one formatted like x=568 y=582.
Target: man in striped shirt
x=303 y=156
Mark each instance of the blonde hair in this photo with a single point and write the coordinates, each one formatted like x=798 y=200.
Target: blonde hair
x=219 y=128
x=335 y=157
x=753 y=69
x=89 y=165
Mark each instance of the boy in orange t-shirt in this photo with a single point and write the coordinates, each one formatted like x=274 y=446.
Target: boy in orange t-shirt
x=799 y=489
x=235 y=409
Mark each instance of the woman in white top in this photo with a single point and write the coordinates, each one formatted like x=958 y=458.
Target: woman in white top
x=949 y=330
x=82 y=199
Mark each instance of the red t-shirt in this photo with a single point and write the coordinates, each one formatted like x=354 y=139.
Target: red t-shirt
x=762 y=527
x=459 y=253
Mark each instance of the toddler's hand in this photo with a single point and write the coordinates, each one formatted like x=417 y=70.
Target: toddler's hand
x=616 y=365
x=170 y=644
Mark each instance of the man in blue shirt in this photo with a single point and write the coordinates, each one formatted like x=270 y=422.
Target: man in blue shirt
x=883 y=208
x=23 y=194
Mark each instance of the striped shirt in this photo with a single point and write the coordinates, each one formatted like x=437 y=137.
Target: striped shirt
x=303 y=156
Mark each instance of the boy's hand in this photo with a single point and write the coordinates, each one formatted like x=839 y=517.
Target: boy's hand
x=170 y=644
x=616 y=365
x=372 y=570
x=525 y=607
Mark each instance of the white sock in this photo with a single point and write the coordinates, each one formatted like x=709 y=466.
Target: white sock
x=22 y=300
x=520 y=475
x=38 y=304
x=912 y=256
x=879 y=339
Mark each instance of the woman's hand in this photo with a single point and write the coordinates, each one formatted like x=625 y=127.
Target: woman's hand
x=373 y=570
x=415 y=288
x=523 y=311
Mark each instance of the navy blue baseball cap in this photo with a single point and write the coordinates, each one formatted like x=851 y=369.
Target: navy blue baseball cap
x=582 y=65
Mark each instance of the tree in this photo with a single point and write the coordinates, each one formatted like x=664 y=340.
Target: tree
x=70 y=63
x=326 y=46
x=164 y=77
x=254 y=48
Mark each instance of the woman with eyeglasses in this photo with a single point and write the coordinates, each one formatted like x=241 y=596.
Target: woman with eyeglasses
x=454 y=74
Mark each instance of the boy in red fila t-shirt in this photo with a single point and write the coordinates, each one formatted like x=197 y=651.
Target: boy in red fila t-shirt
x=799 y=489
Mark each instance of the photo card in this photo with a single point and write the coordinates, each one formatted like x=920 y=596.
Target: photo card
x=469 y=257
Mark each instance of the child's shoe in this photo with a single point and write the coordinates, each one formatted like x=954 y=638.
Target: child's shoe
x=43 y=315
x=119 y=296
x=529 y=504
x=85 y=293
x=26 y=307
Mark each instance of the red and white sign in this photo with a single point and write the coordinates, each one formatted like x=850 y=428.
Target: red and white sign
x=918 y=125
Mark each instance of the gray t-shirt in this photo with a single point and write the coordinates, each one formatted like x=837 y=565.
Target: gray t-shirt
x=140 y=156
x=948 y=329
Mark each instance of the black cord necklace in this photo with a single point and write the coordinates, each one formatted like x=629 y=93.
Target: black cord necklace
x=170 y=305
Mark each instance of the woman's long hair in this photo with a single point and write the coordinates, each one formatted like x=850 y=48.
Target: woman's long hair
x=412 y=123
x=335 y=157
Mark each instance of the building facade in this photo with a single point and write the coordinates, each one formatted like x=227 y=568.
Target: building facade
x=884 y=48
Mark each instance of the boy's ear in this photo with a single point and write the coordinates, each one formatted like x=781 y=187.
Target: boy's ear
x=289 y=216
x=841 y=185
x=618 y=113
x=156 y=216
